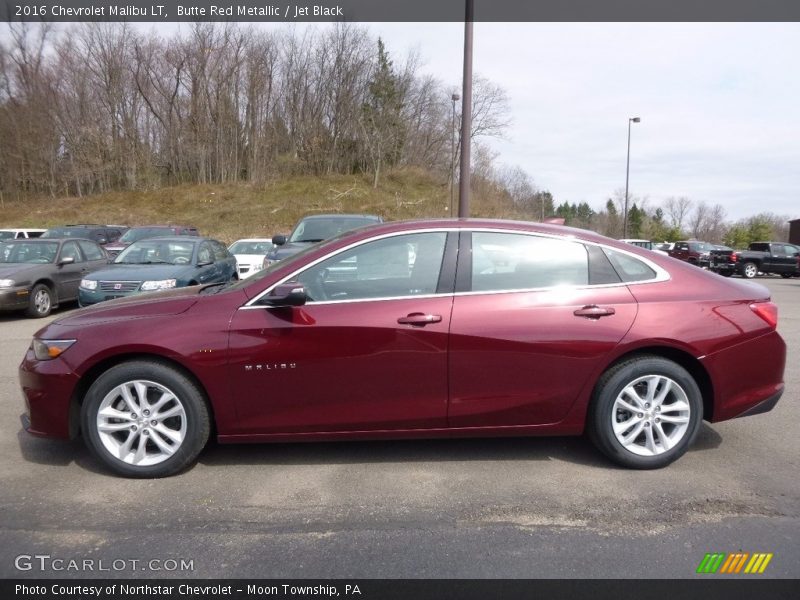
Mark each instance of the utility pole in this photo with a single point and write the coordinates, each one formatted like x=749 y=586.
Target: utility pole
x=466 y=115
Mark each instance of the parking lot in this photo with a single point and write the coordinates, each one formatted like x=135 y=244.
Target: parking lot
x=532 y=507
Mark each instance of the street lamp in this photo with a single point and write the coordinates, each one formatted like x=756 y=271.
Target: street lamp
x=455 y=98
x=627 y=174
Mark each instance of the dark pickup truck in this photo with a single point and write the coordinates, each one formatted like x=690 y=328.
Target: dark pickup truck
x=760 y=257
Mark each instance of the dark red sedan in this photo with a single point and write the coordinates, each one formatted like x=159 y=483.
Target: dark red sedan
x=409 y=330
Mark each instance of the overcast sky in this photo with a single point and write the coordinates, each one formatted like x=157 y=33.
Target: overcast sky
x=719 y=103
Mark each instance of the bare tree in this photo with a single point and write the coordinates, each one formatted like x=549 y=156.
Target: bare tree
x=677 y=210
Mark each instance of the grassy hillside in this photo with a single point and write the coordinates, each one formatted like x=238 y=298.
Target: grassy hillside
x=229 y=212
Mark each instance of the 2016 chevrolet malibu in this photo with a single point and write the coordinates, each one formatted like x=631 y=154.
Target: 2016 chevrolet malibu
x=417 y=329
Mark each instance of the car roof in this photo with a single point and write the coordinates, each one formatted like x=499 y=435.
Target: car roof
x=176 y=238
x=253 y=240
x=342 y=216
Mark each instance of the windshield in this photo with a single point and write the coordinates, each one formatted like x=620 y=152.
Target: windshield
x=317 y=229
x=250 y=247
x=140 y=233
x=6 y=235
x=155 y=251
x=28 y=252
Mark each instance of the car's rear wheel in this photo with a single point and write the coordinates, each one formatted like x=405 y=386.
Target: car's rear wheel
x=787 y=275
x=40 y=302
x=725 y=273
x=645 y=412
x=145 y=419
x=749 y=270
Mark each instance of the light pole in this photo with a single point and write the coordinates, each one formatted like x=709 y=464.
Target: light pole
x=455 y=98
x=627 y=174
x=466 y=115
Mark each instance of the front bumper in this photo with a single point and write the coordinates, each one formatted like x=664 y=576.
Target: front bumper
x=47 y=387
x=15 y=298
x=89 y=297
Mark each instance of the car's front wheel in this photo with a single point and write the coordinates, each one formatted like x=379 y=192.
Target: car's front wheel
x=41 y=301
x=145 y=419
x=645 y=412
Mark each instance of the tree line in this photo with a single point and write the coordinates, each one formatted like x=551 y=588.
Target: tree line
x=100 y=107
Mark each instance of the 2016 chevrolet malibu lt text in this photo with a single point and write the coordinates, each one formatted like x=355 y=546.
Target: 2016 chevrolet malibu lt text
x=417 y=329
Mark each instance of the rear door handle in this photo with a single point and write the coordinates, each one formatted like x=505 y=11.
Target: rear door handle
x=419 y=319
x=592 y=311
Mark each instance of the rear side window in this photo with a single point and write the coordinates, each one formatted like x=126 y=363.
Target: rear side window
x=91 y=251
x=629 y=268
x=510 y=261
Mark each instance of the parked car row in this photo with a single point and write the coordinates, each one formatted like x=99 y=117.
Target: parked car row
x=95 y=263
x=760 y=257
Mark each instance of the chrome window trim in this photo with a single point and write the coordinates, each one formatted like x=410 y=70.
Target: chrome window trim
x=661 y=274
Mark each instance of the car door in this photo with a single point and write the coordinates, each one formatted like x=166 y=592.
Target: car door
x=530 y=327
x=224 y=260
x=681 y=251
x=68 y=275
x=95 y=256
x=367 y=352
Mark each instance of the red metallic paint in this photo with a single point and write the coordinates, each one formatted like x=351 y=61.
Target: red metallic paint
x=496 y=364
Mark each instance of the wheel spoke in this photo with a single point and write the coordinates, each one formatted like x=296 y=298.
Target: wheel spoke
x=679 y=420
x=666 y=443
x=170 y=412
x=650 y=442
x=161 y=443
x=141 y=450
x=677 y=406
x=171 y=434
x=663 y=393
x=128 y=398
x=125 y=447
x=628 y=439
x=627 y=406
x=141 y=394
x=652 y=386
x=112 y=413
x=631 y=392
x=113 y=427
x=165 y=397
x=620 y=427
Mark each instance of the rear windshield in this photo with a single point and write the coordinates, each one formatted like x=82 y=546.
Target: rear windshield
x=316 y=230
x=63 y=232
x=140 y=233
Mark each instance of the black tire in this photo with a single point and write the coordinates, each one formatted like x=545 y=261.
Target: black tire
x=749 y=270
x=602 y=415
x=194 y=422
x=40 y=302
x=787 y=275
x=726 y=273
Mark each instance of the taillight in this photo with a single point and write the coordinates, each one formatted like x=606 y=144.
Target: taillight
x=767 y=311
x=734 y=258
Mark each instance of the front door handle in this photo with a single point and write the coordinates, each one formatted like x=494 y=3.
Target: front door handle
x=592 y=311
x=419 y=319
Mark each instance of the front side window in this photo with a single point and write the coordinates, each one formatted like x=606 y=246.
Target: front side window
x=511 y=261
x=399 y=266
x=70 y=250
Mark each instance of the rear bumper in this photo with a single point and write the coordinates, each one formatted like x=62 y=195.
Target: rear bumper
x=765 y=406
x=748 y=377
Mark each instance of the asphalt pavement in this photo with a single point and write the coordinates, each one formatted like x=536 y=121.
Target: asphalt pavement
x=492 y=508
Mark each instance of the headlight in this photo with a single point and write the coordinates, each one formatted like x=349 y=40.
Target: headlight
x=50 y=349
x=268 y=261
x=163 y=284
x=4 y=283
x=88 y=284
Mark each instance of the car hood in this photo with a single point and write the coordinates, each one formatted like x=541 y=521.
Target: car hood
x=140 y=272
x=287 y=250
x=9 y=270
x=168 y=302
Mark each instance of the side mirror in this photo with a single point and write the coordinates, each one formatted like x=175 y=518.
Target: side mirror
x=279 y=240
x=67 y=260
x=286 y=294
